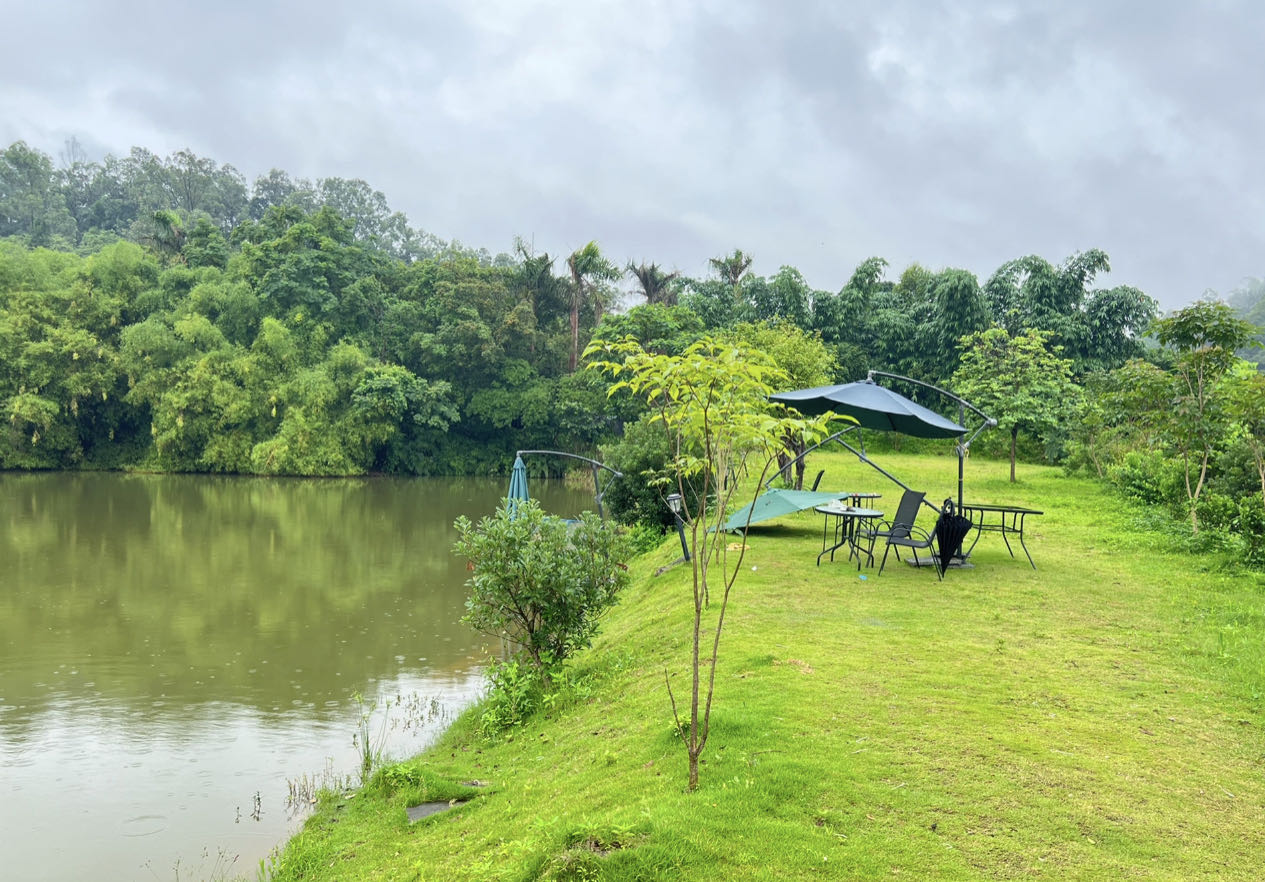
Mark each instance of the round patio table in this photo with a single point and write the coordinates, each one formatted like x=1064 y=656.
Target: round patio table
x=844 y=519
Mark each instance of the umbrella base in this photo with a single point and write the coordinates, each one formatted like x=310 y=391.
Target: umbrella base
x=955 y=563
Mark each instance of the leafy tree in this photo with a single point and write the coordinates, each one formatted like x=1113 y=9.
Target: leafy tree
x=732 y=269
x=276 y=189
x=366 y=210
x=165 y=234
x=1114 y=323
x=1121 y=411
x=198 y=185
x=539 y=581
x=902 y=321
x=1017 y=380
x=1246 y=393
x=785 y=297
x=712 y=403
x=803 y=360
x=59 y=376
x=849 y=322
x=712 y=301
x=642 y=454
x=958 y=309
x=1097 y=329
x=205 y=245
x=667 y=329
x=31 y=205
x=1205 y=336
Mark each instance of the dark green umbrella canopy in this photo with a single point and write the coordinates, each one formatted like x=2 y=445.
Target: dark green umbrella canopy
x=778 y=502
x=874 y=407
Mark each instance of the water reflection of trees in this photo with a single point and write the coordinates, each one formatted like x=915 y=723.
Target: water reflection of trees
x=187 y=590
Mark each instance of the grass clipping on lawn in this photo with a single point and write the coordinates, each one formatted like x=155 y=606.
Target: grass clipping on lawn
x=1097 y=718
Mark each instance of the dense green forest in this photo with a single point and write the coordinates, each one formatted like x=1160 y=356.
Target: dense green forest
x=164 y=314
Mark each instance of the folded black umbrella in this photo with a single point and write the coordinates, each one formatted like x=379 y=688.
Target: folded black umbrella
x=951 y=529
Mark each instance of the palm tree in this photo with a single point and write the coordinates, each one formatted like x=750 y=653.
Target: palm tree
x=656 y=285
x=589 y=269
x=731 y=269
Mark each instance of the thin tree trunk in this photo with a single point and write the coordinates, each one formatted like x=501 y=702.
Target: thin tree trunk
x=700 y=576
x=1260 y=469
x=1014 y=438
x=1190 y=496
x=575 y=334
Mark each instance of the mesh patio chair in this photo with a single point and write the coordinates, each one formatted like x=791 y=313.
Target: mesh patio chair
x=900 y=532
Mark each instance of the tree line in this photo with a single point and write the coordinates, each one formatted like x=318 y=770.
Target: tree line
x=161 y=313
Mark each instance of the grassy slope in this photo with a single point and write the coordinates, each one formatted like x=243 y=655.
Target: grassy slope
x=1097 y=718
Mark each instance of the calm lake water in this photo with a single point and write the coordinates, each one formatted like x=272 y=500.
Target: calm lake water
x=177 y=652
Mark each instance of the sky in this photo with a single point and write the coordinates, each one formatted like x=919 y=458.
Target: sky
x=808 y=134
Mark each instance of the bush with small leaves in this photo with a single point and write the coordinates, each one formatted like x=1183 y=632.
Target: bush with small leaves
x=541 y=581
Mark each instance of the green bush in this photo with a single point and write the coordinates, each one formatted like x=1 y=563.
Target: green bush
x=1150 y=478
x=1233 y=471
x=641 y=455
x=1216 y=511
x=541 y=581
x=515 y=691
x=1250 y=525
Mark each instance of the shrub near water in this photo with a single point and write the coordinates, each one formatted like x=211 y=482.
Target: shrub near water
x=544 y=584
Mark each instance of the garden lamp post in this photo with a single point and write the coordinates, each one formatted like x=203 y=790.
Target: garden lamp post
x=677 y=504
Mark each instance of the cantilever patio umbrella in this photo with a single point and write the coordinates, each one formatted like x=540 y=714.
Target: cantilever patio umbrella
x=874 y=407
x=877 y=407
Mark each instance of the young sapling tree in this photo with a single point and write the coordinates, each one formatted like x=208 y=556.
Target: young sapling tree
x=712 y=403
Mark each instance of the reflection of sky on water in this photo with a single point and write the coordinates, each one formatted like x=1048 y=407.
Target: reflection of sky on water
x=95 y=791
x=171 y=646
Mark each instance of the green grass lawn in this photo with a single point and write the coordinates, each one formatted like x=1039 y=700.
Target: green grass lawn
x=1097 y=718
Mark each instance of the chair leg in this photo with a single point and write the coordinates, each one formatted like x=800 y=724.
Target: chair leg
x=884 y=563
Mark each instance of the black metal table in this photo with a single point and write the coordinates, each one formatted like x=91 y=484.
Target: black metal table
x=1005 y=519
x=845 y=519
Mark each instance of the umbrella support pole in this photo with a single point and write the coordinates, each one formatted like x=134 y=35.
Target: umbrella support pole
x=860 y=454
x=963 y=445
x=598 y=490
x=835 y=437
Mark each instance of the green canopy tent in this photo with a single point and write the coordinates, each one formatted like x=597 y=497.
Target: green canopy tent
x=776 y=503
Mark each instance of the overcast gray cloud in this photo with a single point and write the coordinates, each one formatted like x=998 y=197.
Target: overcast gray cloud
x=813 y=134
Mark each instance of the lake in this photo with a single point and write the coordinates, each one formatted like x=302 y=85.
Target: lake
x=183 y=658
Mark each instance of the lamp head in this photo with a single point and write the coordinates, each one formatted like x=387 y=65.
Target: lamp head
x=675 y=502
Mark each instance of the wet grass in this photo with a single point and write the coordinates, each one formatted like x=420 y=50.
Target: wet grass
x=1100 y=717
